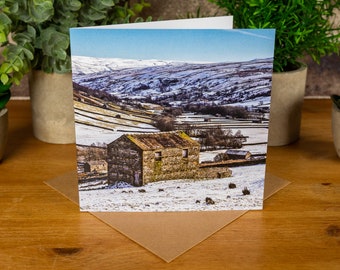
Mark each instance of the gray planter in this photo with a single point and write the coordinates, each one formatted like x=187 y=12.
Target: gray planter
x=288 y=90
x=52 y=107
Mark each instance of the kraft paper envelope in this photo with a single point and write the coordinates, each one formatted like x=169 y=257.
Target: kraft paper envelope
x=167 y=234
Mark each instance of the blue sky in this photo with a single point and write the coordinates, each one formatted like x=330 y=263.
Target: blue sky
x=178 y=45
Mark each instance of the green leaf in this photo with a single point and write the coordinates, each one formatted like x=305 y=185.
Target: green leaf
x=73 y=5
x=31 y=32
x=107 y=3
x=6 y=68
x=5 y=23
x=4 y=79
x=40 y=10
x=3 y=37
x=28 y=54
x=138 y=7
x=17 y=79
x=4 y=19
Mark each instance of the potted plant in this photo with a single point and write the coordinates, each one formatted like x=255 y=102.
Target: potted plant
x=40 y=44
x=5 y=95
x=302 y=28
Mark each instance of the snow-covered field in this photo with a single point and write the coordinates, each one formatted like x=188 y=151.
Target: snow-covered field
x=182 y=195
x=179 y=195
x=86 y=135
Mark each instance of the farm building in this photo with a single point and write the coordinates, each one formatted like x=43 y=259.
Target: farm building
x=142 y=158
x=238 y=154
x=98 y=166
x=139 y=159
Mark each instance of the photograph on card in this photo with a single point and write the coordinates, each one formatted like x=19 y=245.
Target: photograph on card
x=171 y=119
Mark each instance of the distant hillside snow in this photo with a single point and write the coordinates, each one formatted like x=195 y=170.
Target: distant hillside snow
x=177 y=84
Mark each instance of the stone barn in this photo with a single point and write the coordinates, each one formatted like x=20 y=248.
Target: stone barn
x=98 y=166
x=238 y=154
x=139 y=159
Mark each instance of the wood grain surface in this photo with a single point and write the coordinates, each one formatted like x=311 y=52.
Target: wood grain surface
x=299 y=227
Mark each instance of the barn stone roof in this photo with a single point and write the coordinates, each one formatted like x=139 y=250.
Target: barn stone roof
x=162 y=140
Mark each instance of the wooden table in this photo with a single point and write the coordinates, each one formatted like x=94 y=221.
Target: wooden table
x=299 y=227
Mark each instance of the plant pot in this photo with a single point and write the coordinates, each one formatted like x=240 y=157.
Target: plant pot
x=336 y=128
x=288 y=90
x=3 y=131
x=52 y=107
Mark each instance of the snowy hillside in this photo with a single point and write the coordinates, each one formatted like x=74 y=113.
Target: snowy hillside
x=82 y=65
x=177 y=83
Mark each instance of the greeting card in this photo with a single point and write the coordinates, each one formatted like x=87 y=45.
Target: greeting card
x=171 y=118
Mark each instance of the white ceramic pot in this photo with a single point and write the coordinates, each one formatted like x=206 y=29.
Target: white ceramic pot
x=288 y=90
x=336 y=128
x=3 y=131
x=52 y=107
